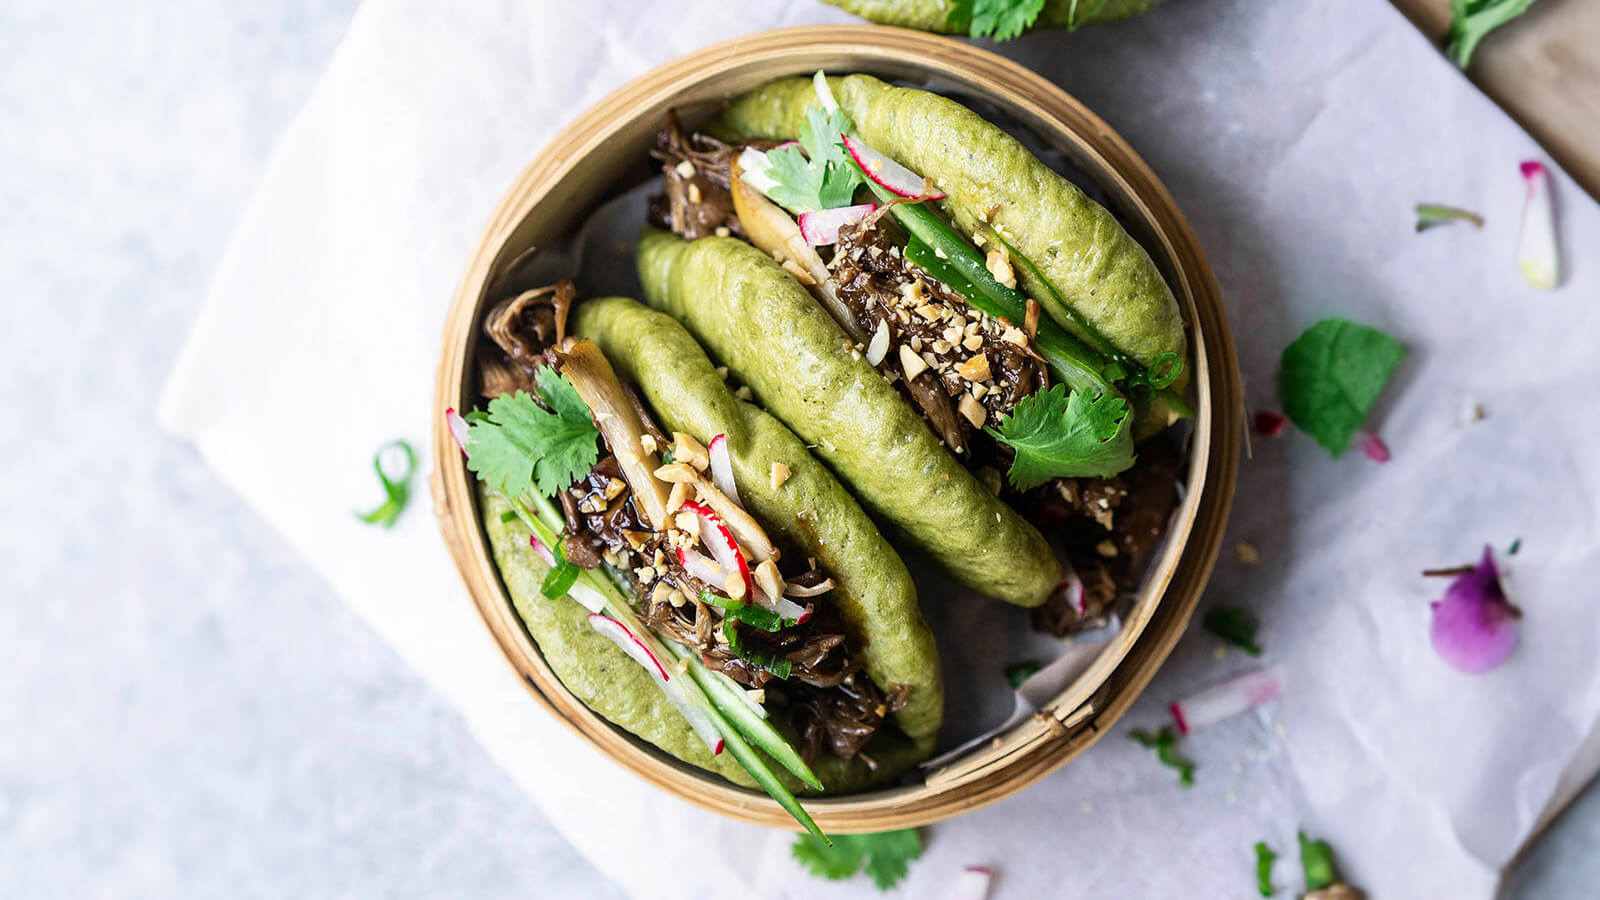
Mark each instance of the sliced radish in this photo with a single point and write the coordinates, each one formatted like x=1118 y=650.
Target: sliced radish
x=744 y=528
x=1071 y=588
x=724 y=549
x=722 y=467
x=701 y=567
x=1537 y=254
x=630 y=644
x=1226 y=700
x=1374 y=447
x=696 y=715
x=588 y=597
x=819 y=84
x=879 y=347
x=971 y=884
x=822 y=227
x=888 y=174
x=754 y=170
x=543 y=551
x=1268 y=423
x=458 y=428
x=816 y=590
x=782 y=607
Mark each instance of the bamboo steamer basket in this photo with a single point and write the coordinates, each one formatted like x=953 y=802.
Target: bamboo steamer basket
x=607 y=144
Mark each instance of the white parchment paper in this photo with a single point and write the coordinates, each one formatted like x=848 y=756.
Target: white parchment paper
x=1296 y=137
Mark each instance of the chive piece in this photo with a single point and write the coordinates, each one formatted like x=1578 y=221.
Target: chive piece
x=559 y=580
x=396 y=487
x=777 y=665
x=1316 y=857
x=1515 y=546
x=1265 y=858
x=509 y=515
x=1432 y=215
x=1165 y=743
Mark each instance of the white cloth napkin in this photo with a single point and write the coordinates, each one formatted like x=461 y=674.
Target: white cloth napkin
x=1297 y=137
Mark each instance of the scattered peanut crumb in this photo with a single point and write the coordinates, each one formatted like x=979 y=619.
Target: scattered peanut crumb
x=722 y=231
x=778 y=475
x=1106 y=548
x=1246 y=552
x=686 y=169
x=911 y=362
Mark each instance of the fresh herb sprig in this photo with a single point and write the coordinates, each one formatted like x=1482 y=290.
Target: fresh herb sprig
x=1266 y=857
x=1316 y=857
x=1001 y=20
x=1165 y=743
x=1058 y=434
x=1332 y=375
x=820 y=178
x=521 y=444
x=396 y=484
x=886 y=856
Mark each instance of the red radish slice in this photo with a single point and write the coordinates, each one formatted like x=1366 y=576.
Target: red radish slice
x=1537 y=254
x=724 y=549
x=722 y=467
x=698 y=566
x=888 y=174
x=1072 y=589
x=630 y=644
x=822 y=227
x=819 y=84
x=802 y=591
x=1269 y=423
x=543 y=551
x=1374 y=447
x=971 y=884
x=458 y=428
x=1226 y=700
x=744 y=528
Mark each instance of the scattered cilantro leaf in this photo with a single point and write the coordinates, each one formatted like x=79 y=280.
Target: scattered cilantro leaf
x=1018 y=673
x=1331 y=376
x=396 y=485
x=821 y=177
x=1515 y=546
x=998 y=19
x=1265 y=858
x=1235 y=626
x=1165 y=743
x=1472 y=20
x=521 y=444
x=886 y=856
x=1316 y=857
x=1056 y=434
x=1432 y=215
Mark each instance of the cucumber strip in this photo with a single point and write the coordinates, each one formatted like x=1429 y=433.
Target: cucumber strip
x=730 y=713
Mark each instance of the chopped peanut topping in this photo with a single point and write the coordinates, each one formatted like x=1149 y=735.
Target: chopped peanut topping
x=680 y=493
x=686 y=169
x=686 y=521
x=648 y=442
x=686 y=449
x=677 y=473
x=1000 y=267
x=733 y=585
x=778 y=475
x=973 y=410
x=768 y=578
x=910 y=362
x=976 y=368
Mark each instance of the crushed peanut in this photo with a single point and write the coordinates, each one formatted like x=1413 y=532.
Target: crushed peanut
x=1014 y=335
x=1000 y=267
x=1106 y=548
x=910 y=362
x=685 y=168
x=733 y=585
x=768 y=578
x=676 y=473
x=976 y=368
x=694 y=192
x=722 y=231
x=645 y=573
x=680 y=493
x=972 y=341
x=686 y=449
x=778 y=475
x=648 y=442
x=614 y=487
x=973 y=410
x=686 y=521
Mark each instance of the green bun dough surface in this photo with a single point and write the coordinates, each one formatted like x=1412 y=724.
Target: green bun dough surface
x=935 y=15
x=776 y=339
x=810 y=511
x=994 y=181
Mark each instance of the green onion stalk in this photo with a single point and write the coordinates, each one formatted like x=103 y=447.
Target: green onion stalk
x=736 y=720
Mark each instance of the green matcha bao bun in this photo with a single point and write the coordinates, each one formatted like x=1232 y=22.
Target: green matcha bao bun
x=777 y=340
x=944 y=16
x=996 y=185
x=806 y=512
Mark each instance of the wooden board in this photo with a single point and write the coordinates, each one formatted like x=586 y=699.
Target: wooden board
x=1543 y=69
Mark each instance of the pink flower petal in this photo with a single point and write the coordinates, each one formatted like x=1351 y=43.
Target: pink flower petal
x=1374 y=447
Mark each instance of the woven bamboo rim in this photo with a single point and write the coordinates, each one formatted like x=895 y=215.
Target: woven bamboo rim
x=592 y=153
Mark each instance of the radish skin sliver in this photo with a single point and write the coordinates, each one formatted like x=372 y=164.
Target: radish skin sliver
x=1536 y=253
x=971 y=884
x=458 y=428
x=630 y=644
x=886 y=173
x=722 y=467
x=1226 y=700
x=822 y=228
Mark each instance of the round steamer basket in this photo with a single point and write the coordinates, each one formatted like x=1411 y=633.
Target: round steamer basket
x=608 y=144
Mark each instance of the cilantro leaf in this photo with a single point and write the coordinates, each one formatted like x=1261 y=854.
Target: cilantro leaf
x=1331 y=376
x=998 y=19
x=1165 y=743
x=1057 y=435
x=521 y=444
x=886 y=856
x=1316 y=857
x=1472 y=20
x=821 y=178
x=1265 y=858
x=1234 y=625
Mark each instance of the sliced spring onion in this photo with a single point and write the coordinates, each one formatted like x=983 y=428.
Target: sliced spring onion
x=777 y=666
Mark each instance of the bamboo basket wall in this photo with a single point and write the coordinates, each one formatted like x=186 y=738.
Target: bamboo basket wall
x=588 y=158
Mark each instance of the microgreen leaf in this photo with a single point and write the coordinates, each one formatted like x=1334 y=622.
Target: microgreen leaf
x=520 y=443
x=1165 y=743
x=1265 y=858
x=1020 y=672
x=1060 y=435
x=1431 y=215
x=396 y=485
x=1316 y=857
x=1331 y=376
x=1472 y=20
x=886 y=856
x=1234 y=625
